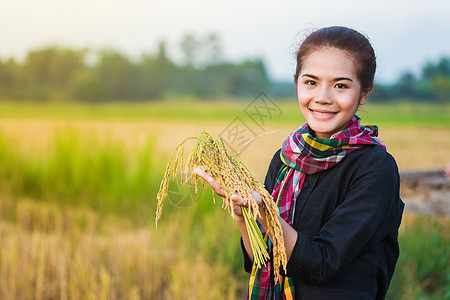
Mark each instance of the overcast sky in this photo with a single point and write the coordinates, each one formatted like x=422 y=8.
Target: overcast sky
x=404 y=33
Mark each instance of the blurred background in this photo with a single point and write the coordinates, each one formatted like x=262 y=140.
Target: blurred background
x=95 y=97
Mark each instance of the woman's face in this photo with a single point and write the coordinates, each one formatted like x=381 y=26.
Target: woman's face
x=329 y=91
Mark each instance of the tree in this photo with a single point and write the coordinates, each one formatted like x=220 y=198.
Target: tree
x=50 y=69
x=87 y=86
x=9 y=78
x=53 y=65
x=61 y=73
x=155 y=73
x=405 y=85
x=440 y=85
x=432 y=70
x=212 y=48
x=437 y=76
x=118 y=74
x=189 y=47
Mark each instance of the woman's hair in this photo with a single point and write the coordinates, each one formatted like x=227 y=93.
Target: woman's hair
x=343 y=38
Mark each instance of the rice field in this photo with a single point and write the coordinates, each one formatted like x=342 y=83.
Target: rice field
x=78 y=191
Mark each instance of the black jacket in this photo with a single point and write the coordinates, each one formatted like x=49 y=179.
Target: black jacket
x=347 y=220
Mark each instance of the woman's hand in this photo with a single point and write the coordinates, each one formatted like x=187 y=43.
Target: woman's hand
x=289 y=234
x=238 y=201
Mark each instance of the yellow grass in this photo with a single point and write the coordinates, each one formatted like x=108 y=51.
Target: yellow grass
x=54 y=253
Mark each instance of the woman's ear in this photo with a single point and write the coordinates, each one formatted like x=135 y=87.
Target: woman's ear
x=365 y=95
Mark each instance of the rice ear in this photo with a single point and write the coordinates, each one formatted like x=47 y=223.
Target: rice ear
x=232 y=175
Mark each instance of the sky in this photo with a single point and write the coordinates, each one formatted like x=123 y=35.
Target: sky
x=404 y=33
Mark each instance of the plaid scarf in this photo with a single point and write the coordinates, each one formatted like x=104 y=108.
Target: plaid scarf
x=303 y=154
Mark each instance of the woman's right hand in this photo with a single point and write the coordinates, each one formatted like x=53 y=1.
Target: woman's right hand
x=237 y=200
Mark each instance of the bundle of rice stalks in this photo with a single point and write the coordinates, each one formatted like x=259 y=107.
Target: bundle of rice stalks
x=210 y=155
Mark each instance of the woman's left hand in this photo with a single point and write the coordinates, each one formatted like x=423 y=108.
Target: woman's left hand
x=238 y=201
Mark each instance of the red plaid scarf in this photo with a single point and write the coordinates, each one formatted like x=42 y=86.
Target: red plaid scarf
x=303 y=154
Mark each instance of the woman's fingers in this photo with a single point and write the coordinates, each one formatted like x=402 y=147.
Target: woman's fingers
x=238 y=201
x=208 y=178
x=257 y=198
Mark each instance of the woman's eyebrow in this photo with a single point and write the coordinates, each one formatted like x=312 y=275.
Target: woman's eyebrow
x=334 y=80
x=309 y=75
x=342 y=78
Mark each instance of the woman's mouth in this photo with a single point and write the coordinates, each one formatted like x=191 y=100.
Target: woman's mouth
x=323 y=115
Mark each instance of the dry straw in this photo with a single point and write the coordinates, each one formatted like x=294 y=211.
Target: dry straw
x=210 y=155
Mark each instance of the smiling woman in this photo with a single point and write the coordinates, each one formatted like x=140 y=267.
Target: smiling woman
x=334 y=75
x=329 y=93
x=336 y=186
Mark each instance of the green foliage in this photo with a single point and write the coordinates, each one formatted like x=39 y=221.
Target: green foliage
x=82 y=170
x=433 y=84
x=118 y=74
x=441 y=68
x=52 y=65
x=441 y=86
x=9 y=78
x=422 y=270
x=83 y=173
x=57 y=73
x=88 y=86
x=155 y=74
x=53 y=72
x=49 y=70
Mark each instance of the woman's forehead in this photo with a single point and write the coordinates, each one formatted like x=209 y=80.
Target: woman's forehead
x=329 y=62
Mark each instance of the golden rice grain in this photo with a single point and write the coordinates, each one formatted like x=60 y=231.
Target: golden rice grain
x=232 y=176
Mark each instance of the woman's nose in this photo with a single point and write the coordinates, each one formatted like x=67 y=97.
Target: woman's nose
x=323 y=95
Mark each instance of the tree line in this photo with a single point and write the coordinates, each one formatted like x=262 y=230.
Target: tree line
x=55 y=72
x=432 y=84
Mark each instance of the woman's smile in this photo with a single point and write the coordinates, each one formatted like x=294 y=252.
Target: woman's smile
x=329 y=92
x=322 y=115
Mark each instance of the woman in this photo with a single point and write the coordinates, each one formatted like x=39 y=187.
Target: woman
x=336 y=186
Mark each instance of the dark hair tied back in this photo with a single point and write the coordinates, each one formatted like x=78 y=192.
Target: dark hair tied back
x=343 y=38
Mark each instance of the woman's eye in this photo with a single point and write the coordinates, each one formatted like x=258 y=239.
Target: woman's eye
x=340 y=86
x=310 y=82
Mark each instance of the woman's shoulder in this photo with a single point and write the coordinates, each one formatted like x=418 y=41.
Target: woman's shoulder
x=373 y=160
x=372 y=154
x=365 y=160
x=276 y=159
x=272 y=171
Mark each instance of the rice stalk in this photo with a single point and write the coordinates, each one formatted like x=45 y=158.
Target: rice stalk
x=232 y=176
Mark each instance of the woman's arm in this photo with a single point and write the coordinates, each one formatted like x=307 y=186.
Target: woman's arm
x=369 y=212
x=237 y=209
x=289 y=234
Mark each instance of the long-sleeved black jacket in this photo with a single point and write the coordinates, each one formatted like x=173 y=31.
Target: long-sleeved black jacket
x=347 y=220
